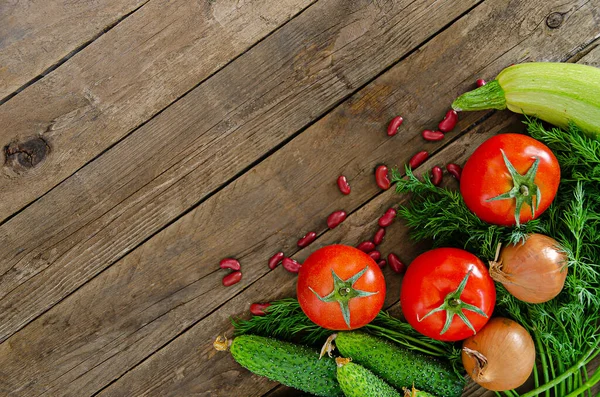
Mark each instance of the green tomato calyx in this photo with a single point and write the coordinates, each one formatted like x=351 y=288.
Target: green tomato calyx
x=343 y=291
x=523 y=190
x=454 y=306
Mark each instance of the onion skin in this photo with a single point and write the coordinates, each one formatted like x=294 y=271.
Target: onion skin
x=508 y=354
x=534 y=271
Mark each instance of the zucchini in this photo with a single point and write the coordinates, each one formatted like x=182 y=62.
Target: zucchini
x=293 y=365
x=398 y=366
x=558 y=93
x=357 y=381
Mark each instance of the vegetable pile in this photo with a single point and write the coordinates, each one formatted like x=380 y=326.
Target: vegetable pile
x=510 y=290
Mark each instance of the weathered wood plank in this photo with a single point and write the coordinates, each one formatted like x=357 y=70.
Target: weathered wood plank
x=169 y=283
x=118 y=82
x=36 y=35
x=189 y=150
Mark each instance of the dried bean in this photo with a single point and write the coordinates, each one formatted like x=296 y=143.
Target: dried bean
x=381 y=177
x=366 y=246
x=381 y=263
x=455 y=170
x=335 y=218
x=449 y=121
x=418 y=159
x=436 y=175
x=343 y=185
x=387 y=218
x=291 y=265
x=232 y=278
x=378 y=238
x=432 y=136
x=275 y=259
x=375 y=255
x=230 y=263
x=395 y=263
x=258 y=309
x=480 y=82
x=306 y=240
x=394 y=125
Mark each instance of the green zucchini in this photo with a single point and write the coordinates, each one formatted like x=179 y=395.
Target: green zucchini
x=357 y=381
x=558 y=93
x=287 y=363
x=398 y=366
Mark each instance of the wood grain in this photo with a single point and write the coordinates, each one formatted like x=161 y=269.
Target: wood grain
x=186 y=153
x=170 y=283
x=120 y=81
x=36 y=35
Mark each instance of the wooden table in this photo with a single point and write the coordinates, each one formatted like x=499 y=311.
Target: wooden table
x=145 y=140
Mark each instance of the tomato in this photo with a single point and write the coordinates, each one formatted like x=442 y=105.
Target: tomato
x=447 y=294
x=514 y=189
x=340 y=287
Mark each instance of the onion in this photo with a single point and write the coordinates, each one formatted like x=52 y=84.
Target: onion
x=533 y=271
x=500 y=356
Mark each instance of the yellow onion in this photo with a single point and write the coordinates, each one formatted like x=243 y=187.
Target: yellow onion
x=533 y=271
x=500 y=356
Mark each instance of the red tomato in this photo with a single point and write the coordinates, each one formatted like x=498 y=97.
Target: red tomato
x=434 y=294
x=340 y=287
x=503 y=196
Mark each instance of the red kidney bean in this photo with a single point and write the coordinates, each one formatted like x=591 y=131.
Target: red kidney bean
x=335 y=218
x=291 y=265
x=381 y=263
x=230 y=263
x=258 y=309
x=394 y=125
x=375 y=255
x=381 y=177
x=378 y=238
x=275 y=259
x=418 y=159
x=395 y=263
x=436 y=175
x=432 y=136
x=343 y=185
x=307 y=239
x=232 y=278
x=387 y=218
x=366 y=246
x=449 y=121
x=455 y=170
x=480 y=82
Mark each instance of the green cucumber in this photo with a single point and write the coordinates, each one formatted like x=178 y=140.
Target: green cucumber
x=287 y=363
x=398 y=366
x=357 y=381
x=558 y=93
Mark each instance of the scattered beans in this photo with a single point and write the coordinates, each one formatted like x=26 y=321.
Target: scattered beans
x=343 y=185
x=449 y=121
x=381 y=263
x=432 y=136
x=480 y=82
x=436 y=175
x=258 y=309
x=375 y=255
x=381 y=177
x=455 y=170
x=378 y=238
x=230 y=263
x=418 y=159
x=275 y=259
x=232 y=278
x=395 y=263
x=291 y=265
x=307 y=239
x=335 y=218
x=366 y=246
x=387 y=218
x=394 y=125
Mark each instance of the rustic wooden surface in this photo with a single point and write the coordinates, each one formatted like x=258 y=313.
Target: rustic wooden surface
x=154 y=138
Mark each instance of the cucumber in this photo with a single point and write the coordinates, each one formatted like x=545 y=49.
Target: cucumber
x=558 y=93
x=287 y=363
x=357 y=381
x=398 y=366
x=415 y=393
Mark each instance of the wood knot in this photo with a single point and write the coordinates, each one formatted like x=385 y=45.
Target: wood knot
x=555 y=20
x=25 y=155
